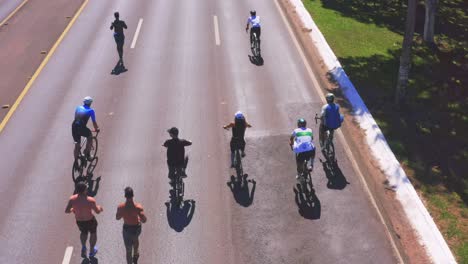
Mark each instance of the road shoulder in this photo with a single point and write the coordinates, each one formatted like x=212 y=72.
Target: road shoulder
x=27 y=37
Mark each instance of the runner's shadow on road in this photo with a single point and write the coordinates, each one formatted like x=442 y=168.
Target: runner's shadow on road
x=256 y=60
x=91 y=260
x=309 y=208
x=241 y=191
x=119 y=68
x=336 y=179
x=180 y=217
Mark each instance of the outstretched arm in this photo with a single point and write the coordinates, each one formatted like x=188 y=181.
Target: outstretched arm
x=230 y=125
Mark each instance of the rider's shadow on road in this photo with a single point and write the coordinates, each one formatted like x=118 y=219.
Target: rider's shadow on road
x=241 y=190
x=256 y=60
x=119 y=68
x=308 y=208
x=180 y=217
x=336 y=179
x=91 y=260
x=93 y=185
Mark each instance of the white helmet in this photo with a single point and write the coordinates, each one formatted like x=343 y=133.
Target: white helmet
x=330 y=97
x=239 y=115
x=87 y=100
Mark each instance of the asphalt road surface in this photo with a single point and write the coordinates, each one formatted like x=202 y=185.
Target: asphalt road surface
x=178 y=76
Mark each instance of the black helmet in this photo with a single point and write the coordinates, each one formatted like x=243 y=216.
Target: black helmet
x=330 y=97
x=301 y=122
x=253 y=13
x=173 y=131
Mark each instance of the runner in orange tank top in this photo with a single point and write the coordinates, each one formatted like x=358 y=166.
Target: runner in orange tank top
x=133 y=215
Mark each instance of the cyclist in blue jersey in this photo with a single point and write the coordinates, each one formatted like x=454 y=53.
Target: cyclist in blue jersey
x=330 y=116
x=254 y=20
x=79 y=128
x=301 y=143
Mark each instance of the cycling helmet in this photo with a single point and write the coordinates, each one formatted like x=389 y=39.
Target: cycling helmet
x=87 y=100
x=239 y=115
x=330 y=97
x=301 y=122
x=253 y=13
x=173 y=131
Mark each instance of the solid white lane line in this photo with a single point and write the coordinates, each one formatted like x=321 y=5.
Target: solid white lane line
x=216 y=30
x=135 y=37
x=340 y=134
x=67 y=256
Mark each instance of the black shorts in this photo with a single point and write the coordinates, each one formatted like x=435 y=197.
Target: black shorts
x=79 y=131
x=130 y=234
x=237 y=144
x=300 y=157
x=256 y=30
x=87 y=226
x=325 y=128
x=119 y=39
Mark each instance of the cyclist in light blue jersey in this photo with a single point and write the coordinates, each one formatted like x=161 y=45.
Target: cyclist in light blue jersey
x=254 y=20
x=301 y=143
x=330 y=116
x=79 y=128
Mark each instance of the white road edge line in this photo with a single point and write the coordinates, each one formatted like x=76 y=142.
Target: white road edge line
x=135 y=37
x=340 y=134
x=67 y=256
x=216 y=30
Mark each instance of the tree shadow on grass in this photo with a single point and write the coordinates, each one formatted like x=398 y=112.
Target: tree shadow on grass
x=428 y=132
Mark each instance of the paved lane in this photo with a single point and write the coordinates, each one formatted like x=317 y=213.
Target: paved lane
x=178 y=76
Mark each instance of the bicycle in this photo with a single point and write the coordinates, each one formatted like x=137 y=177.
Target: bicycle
x=80 y=164
x=326 y=141
x=178 y=185
x=238 y=164
x=255 y=45
x=305 y=181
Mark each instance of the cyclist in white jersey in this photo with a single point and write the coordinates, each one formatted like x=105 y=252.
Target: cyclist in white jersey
x=254 y=20
x=301 y=143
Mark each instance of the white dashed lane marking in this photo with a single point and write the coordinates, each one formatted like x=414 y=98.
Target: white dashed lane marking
x=135 y=37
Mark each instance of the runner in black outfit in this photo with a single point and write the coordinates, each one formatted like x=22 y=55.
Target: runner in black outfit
x=118 y=26
x=176 y=152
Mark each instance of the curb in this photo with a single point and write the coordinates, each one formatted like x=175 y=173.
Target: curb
x=429 y=235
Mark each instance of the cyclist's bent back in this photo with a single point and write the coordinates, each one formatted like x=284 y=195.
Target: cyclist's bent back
x=254 y=20
x=301 y=143
x=79 y=128
x=330 y=116
x=176 y=153
x=238 y=131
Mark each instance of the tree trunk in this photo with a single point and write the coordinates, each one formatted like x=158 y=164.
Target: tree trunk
x=429 y=21
x=405 y=59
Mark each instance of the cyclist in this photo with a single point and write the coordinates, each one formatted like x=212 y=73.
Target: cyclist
x=79 y=128
x=330 y=117
x=176 y=153
x=301 y=143
x=118 y=27
x=255 y=21
x=238 y=131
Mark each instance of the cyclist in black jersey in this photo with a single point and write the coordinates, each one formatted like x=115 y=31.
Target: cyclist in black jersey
x=238 y=131
x=118 y=27
x=176 y=157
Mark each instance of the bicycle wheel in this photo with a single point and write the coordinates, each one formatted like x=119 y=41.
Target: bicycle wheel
x=94 y=147
x=92 y=165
